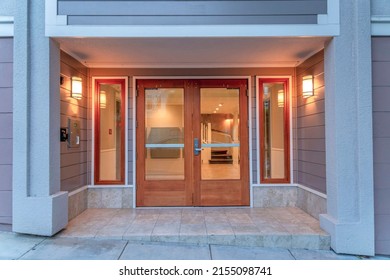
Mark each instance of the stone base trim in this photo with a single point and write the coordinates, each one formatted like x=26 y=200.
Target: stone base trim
x=310 y=201
x=77 y=202
x=110 y=197
x=274 y=196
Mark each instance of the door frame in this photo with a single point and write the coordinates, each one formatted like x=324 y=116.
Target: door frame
x=290 y=86
x=93 y=131
x=250 y=123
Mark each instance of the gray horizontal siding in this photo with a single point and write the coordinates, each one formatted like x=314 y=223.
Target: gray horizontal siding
x=75 y=162
x=191 y=12
x=309 y=124
x=191 y=20
x=6 y=129
x=381 y=141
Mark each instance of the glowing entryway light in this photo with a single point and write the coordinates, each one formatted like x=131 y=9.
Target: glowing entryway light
x=307 y=86
x=77 y=88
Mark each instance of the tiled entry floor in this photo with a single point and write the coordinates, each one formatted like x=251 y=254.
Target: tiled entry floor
x=265 y=227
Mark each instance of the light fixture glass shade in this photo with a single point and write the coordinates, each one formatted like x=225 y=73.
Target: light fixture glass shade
x=280 y=98
x=307 y=86
x=103 y=99
x=77 y=88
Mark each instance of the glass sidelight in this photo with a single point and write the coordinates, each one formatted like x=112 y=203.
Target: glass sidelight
x=220 y=133
x=274 y=131
x=164 y=134
x=109 y=131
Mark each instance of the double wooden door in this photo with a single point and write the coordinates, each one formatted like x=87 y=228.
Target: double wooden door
x=192 y=142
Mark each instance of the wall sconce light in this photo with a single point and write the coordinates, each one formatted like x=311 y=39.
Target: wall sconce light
x=103 y=100
x=280 y=98
x=77 y=88
x=307 y=86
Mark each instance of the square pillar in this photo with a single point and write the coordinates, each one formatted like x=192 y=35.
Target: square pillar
x=348 y=119
x=39 y=207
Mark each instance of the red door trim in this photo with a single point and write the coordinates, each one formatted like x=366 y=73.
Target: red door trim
x=122 y=82
x=285 y=81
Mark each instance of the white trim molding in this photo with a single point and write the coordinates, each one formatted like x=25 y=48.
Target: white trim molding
x=76 y=191
x=312 y=191
x=145 y=31
x=6 y=26
x=380 y=25
x=51 y=17
x=333 y=15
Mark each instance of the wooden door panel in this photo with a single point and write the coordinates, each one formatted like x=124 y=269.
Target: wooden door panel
x=160 y=192
x=192 y=191
x=217 y=193
x=227 y=192
x=165 y=198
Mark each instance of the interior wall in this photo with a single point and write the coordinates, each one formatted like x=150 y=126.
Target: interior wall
x=309 y=127
x=226 y=72
x=75 y=162
x=6 y=127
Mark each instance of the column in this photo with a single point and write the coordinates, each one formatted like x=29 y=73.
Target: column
x=39 y=207
x=348 y=118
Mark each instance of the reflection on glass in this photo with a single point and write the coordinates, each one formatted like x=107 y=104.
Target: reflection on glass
x=110 y=132
x=220 y=137
x=273 y=134
x=164 y=134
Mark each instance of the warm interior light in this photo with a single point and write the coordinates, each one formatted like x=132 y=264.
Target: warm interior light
x=307 y=86
x=103 y=99
x=77 y=88
x=281 y=98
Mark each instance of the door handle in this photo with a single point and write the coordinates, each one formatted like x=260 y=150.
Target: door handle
x=197 y=149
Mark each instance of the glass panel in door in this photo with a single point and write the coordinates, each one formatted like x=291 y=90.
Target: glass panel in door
x=164 y=134
x=220 y=133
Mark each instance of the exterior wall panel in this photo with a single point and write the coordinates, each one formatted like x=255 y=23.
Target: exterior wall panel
x=381 y=128
x=309 y=132
x=6 y=129
x=191 y=12
x=380 y=7
x=75 y=162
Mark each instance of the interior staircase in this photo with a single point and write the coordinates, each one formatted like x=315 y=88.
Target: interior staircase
x=220 y=157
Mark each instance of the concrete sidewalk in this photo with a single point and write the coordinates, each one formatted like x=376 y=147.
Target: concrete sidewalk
x=26 y=247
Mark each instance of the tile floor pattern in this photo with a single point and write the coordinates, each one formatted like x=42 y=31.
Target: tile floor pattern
x=289 y=227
